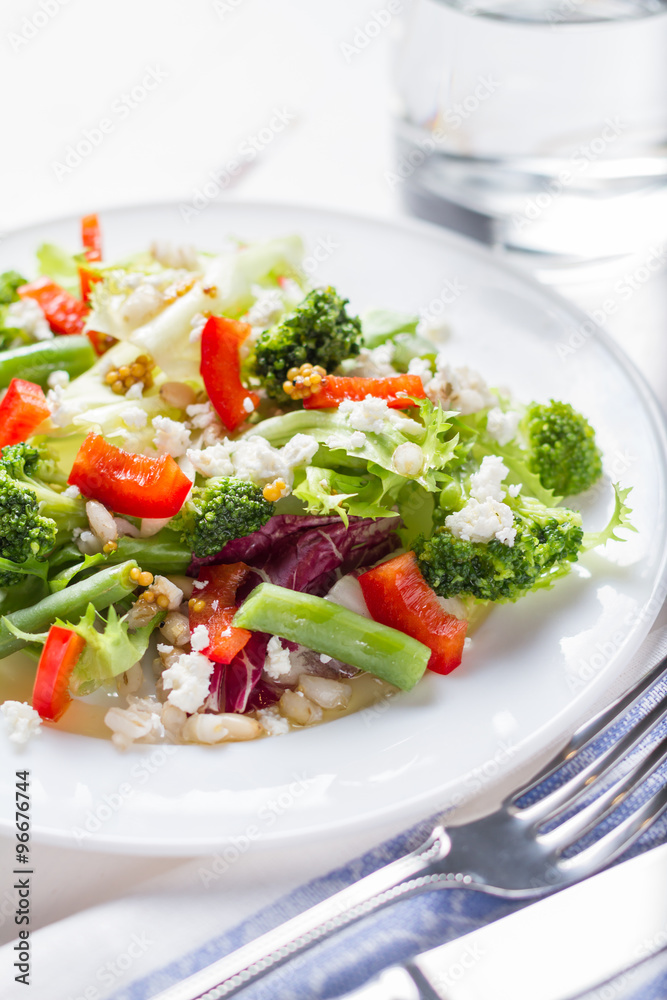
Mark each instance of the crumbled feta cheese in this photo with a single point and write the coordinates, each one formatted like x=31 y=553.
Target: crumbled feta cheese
x=62 y=410
x=480 y=522
x=348 y=442
x=432 y=327
x=135 y=391
x=324 y=658
x=408 y=459
x=134 y=416
x=467 y=644
x=422 y=368
x=375 y=363
x=514 y=490
x=199 y=584
x=187 y=681
x=22 y=721
x=213 y=461
x=197 y=324
x=199 y=638
x=267 y=308
x=367 y=414
x=299 y=450
x=172 y=437
x=277 y=662
x=201 y=415
x=272 y=722
x=142 y=304
x=486 y=483
x=215 y=605
x=248 y=405
x=254 y=459
x=502 y=427
x=459 y=389
x=72 y=492
x=163 y=585
x=58 y=378
x=26 y=315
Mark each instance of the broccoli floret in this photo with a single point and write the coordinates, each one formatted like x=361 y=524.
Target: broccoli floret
x=563 y=452
x=220 y=511
x=319 y=331
x=32 y=513
x=9 y=282
x=547 y=541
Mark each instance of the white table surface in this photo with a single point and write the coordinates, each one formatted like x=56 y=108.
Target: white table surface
x=221 y=71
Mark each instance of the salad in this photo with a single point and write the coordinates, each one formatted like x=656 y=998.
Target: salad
x=281 y=509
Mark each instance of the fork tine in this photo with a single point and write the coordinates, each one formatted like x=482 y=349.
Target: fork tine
x=614 y=843
x=572 y=789
x=577 y=826
x=598 y=725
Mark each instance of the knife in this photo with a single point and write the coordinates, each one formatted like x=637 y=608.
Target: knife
x=556 y=949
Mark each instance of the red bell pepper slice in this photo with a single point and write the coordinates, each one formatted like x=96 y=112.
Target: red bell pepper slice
x=21 y=412
x=398 y=595
x=64 y=313
x=221 y=370
x=335 y=388
x=219 y=598
x=101 y=341
x=50 y=695
x=91 y=237
x=137 y=485
x=88 y=277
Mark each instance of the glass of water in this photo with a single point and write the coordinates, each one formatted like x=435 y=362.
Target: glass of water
x=537 y=125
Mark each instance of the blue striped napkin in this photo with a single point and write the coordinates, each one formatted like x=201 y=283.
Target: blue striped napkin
x=413 y=925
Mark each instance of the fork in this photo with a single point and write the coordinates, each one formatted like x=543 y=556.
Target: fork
x=507 y=853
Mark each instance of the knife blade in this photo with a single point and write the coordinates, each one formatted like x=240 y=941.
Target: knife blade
x=555 y=949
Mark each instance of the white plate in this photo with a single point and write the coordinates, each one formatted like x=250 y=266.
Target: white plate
x=535 y=669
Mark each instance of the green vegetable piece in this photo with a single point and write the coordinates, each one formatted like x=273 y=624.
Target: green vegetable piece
x=562 y=447
x=217 y=513
x=547 y=541
x=9 y=282
x=32 y=512
x=319 y=330
x=101 y=590
x=107 y=653
x=330 y=629
x=56 y=263
x=620 y=518
x=381 y=325
x=35 y=362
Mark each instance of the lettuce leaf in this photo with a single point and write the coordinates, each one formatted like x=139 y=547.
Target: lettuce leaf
x=620 y=518
x=61 y=266
x=108 y=652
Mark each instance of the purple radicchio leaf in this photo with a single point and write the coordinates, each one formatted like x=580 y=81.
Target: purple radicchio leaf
x=302 y=553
